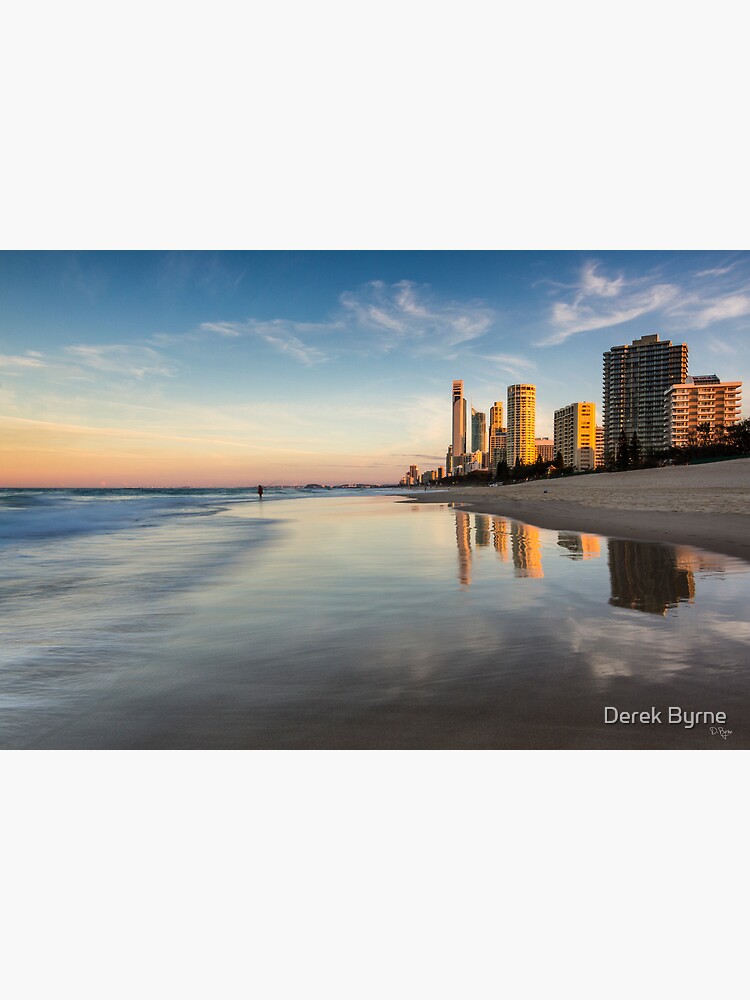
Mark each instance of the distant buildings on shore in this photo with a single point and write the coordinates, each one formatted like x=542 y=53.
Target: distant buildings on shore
x=649 y=401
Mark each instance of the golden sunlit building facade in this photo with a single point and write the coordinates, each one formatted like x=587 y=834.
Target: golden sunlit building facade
x=498 y=437
x=575 y=435
x=700 y=401
x=521 y=424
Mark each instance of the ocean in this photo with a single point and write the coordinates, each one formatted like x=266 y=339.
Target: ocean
x=351 y=619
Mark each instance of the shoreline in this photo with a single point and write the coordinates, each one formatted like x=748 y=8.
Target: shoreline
x=702 y=506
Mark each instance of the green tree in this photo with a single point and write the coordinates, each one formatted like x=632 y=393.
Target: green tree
x=559 y=462
x=635 y=451
x=623 y=452
x=705 y=436
x=738 y=436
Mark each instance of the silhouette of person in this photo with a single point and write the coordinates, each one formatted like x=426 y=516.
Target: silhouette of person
x=260 y=492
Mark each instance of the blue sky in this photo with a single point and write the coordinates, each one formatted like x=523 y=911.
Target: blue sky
x=231 y=368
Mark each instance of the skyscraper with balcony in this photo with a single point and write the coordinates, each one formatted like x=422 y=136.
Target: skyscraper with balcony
x=575 y=435
x=458 y=413
x=635 y=379
x=702 y=402
x=521 y=424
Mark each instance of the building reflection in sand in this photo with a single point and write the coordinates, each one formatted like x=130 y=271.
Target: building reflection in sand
x=511 y=540
x=644 y=576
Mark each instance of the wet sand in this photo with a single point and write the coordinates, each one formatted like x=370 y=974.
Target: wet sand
x=707 y=506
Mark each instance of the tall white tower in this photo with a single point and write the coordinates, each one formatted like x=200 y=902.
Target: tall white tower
x=458 y=439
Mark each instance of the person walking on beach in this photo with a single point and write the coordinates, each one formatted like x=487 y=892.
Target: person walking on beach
x=260 y=492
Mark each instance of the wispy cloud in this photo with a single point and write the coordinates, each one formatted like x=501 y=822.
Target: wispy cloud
x=124 y=359
x=180 y=270
x=706 y=312
x=406 y=311
x=716 y=272
x=377 y=317
x=284 y=335
x=513 y=365
x=599 y=302
x=32 y=359
x=717 y=346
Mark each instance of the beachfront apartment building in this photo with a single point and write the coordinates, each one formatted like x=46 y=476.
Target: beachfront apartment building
x=599 y=446
x=521 y=416
x=545 y=449
x=498 y=449
x=701 y=401
x=498 y=438
x=575 y=435
x=635 y=379
x=458 y=420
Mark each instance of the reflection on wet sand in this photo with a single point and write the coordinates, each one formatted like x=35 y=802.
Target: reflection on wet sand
x=646 y=577
x=579 y=546
x=463 y=541
x=654 y=578
x=643 y=576
x=525 y=544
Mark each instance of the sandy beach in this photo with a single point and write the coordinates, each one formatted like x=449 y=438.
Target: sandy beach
x=707 y=506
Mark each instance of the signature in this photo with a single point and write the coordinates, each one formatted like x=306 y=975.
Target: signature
x=718 y=731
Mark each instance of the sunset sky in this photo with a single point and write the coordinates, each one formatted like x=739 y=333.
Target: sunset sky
x=148 y=368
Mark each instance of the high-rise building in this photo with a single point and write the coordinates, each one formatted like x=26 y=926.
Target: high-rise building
x=575 y=435
x=498 y=450
x=498 y=439
x=636 y=376
x=521 y=424
x=599 y=446
x=697 y=402
x=545 y=449
x=478 y=430
x=496 y=418
x=458 y=415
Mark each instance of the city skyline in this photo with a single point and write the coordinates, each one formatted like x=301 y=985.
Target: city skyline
x=131 y=369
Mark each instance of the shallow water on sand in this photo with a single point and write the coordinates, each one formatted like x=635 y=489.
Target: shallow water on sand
x=362 y=622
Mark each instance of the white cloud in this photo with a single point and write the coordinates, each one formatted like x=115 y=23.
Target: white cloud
x=593 y=283
x=600 y=302
x=377 y=316
x=282 y=334
x=514 y=365
x=408 y=312
x=715 y=272
x=29 y=360
x=124 y=359
x=727 y=307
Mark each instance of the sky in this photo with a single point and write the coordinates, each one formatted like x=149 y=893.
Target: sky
x=238 y=368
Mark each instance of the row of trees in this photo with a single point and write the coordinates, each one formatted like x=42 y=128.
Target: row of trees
x=522 y=471
x=504 y=473
x=704 y=442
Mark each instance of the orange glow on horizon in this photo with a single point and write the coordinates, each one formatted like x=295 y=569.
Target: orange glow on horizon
x=35 y=454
